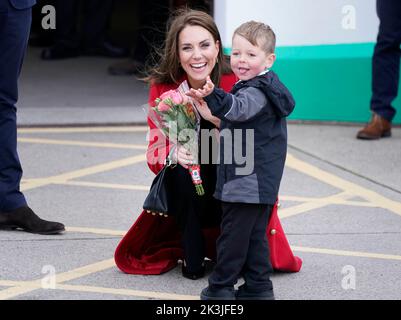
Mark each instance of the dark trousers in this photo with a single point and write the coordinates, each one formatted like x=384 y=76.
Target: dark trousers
x=153 y=24
x=386 y=59
x=242 y=248
x=193 y=212
x=96 y=15
x=14 y=31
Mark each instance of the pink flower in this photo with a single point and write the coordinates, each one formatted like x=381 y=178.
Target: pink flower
x=176 y=97
x=173 y=95
x=166 y=94
x=163 y=107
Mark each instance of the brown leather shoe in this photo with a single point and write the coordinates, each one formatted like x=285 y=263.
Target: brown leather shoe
x=377 y=128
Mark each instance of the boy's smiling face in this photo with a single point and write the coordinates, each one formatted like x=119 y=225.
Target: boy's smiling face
x=247 y=60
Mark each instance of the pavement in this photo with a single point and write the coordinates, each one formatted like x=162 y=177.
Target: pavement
x=82 y=140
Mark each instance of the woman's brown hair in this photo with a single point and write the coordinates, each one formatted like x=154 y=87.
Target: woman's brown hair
x=168 y=68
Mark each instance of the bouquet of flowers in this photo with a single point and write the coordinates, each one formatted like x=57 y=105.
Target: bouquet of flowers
x=177 y=118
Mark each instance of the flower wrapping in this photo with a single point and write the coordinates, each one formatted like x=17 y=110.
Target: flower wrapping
x=177 y=118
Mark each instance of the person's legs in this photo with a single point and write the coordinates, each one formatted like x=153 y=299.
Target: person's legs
x=14 y=212
x=386 y=59
x=257 y=268
x=186 y=210
x=238 y=222
x=66 y=36
x=66 y=23
x=153 y=17
x=14 y=31
x=385 y=71
x=194 y=246
x=97 y=14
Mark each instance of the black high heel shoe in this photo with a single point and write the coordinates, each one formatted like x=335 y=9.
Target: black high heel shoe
x=193 y=275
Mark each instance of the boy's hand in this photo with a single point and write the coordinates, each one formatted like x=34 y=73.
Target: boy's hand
x=202 y=92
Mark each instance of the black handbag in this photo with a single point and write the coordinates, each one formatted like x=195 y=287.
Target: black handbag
x=157 y=201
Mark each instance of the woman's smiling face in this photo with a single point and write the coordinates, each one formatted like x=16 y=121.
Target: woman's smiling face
x=198 y=53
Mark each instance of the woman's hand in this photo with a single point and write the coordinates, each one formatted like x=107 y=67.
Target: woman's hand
x=205 y=112
x=182 y=156
x=203 y=109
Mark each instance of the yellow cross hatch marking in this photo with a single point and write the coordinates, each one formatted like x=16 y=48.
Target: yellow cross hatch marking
x=83 y=143
x=85 y=129
x=62 y=178
x=348 y=190
x=346 y=186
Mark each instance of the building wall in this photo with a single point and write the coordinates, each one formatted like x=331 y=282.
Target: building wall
x=303 y=22
x=324 y=51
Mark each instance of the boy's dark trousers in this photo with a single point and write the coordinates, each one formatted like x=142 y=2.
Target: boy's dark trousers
x=386 y=59
x=242 y=248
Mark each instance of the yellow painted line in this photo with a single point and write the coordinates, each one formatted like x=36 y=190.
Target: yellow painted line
x=334 y=201
x=105 y=232
x=83 y=143
x=95 y=289
x=28 y=286
x=348 y=253
x=128 y=292
x=355 y=203
x=105 y=185
x=85 y=129
x=62 y=178
x=9 y=283
x=22 y=287
x=348 y=187
x=25 y=287
x=85 y=270
x=308 y=206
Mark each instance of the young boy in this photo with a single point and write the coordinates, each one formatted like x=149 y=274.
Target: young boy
x=258 y=102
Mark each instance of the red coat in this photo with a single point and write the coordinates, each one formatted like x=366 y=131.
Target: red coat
x=153 y=244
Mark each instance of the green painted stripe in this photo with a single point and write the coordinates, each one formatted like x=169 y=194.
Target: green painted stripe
x=330 y=82
x=334 y=51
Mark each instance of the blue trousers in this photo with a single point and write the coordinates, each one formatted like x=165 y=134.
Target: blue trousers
x=14 y=32
x=386 y=59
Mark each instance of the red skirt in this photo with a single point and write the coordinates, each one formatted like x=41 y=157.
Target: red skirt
x=153 y=246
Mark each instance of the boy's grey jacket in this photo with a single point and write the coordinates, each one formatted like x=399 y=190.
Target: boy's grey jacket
x=261 y=105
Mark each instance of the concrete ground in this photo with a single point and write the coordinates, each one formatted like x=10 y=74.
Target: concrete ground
x=340 y=197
